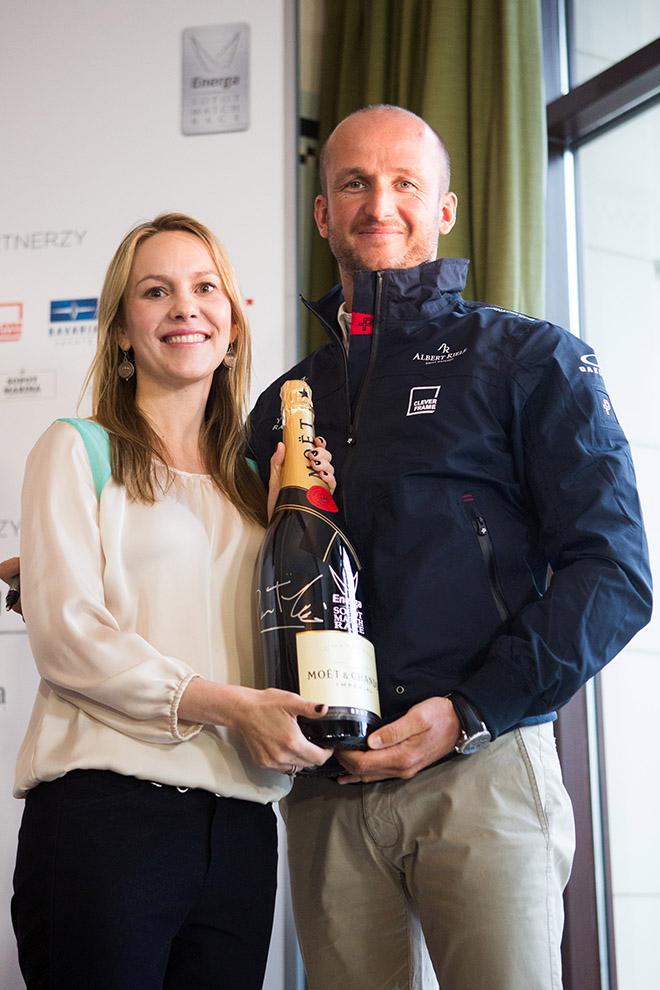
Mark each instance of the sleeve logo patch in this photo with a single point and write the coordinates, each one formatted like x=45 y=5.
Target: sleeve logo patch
x=605 y=410
x=590 y=365
x=423 y=399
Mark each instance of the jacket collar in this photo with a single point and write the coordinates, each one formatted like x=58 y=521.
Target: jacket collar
x=410 y=294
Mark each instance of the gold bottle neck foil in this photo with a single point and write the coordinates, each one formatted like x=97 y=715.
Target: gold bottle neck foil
x=298 y=435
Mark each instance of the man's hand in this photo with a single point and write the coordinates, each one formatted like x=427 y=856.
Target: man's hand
x=403 y=748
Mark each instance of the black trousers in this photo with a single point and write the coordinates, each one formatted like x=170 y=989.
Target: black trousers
x=122 y=885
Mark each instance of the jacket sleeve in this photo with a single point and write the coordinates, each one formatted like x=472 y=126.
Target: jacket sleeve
x=81 y=653
x=580 y=480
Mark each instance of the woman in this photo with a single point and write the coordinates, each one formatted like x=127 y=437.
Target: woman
x=147 y=852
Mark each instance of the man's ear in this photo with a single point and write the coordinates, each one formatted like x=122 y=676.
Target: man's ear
x=321 y=214
x=448 y=207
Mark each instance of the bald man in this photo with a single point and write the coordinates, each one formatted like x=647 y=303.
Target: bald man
x=476 y=450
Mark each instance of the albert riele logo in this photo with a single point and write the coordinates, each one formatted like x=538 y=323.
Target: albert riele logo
x=11 y=321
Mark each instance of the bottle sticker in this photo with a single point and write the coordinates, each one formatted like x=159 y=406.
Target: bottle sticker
x=320 y=498
x=337 y=669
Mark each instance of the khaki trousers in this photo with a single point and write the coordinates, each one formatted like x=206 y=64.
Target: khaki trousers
x=470 y=856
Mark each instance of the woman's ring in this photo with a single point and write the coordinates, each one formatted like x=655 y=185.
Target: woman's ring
x=292 y=771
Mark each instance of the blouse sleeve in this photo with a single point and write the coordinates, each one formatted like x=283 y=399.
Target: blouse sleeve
x=81 y=653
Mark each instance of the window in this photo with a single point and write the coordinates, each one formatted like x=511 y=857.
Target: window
x=604 y=282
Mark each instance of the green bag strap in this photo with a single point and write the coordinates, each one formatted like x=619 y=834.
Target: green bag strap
x=97 y=444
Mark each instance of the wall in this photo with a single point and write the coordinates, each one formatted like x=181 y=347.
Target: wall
x=91 y=118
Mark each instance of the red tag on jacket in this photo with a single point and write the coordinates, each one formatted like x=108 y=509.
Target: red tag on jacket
x=362 y=323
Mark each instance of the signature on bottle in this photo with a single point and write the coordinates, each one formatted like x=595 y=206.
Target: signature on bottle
x=290 y=611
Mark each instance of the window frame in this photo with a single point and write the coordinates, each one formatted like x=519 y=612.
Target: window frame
x=576 y=115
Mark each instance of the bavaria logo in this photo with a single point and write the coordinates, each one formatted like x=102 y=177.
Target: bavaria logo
x=72 y=310
x=72 y=321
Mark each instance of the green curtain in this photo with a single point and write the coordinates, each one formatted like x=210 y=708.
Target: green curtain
x=473 y=70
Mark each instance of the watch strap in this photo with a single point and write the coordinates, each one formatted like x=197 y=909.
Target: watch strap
x=474 y=734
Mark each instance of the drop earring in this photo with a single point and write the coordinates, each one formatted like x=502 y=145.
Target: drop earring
x=229 y=360
x=126 y=369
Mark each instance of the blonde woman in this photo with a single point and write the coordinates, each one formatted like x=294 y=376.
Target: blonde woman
x=147 y=852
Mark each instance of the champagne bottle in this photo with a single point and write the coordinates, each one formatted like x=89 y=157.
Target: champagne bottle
x=311 y=619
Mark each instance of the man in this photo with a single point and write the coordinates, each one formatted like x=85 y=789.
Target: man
x=474 y=449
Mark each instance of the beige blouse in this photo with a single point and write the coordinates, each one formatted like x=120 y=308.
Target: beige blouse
x=124 y=603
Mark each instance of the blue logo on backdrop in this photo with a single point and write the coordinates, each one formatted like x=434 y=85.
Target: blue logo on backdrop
x=72 y=310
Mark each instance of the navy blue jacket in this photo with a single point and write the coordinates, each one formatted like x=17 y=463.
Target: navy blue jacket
x=476 y=451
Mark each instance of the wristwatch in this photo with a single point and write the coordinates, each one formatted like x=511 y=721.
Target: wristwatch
x=474 y=734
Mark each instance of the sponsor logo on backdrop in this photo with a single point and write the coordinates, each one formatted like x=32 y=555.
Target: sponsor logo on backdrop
x=11 y=321
x=9 y=529
x=28 y=384
x=215 y=79
x=40 y=240
x=3 y=697
x=72 y=320
x=72 y=310
x=423 y=399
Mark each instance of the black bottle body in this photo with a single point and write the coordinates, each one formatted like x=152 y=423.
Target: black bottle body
x=312 y=625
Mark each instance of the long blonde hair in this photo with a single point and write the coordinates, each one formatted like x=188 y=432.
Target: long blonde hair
x=135 y=446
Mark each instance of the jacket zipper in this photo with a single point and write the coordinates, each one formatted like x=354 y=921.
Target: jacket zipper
x=488 y=554
x=335 y=337
x=350 y=440
x=352 y=435
x=353 y=421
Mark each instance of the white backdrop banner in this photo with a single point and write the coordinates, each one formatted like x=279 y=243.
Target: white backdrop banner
x=112 y=112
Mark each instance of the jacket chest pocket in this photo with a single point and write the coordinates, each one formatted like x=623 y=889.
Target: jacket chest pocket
x=484 y=541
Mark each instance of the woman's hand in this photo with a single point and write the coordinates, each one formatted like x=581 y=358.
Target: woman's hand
x=321 y=462
x=268 y=723
x=9 y=569
x=267 y=720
